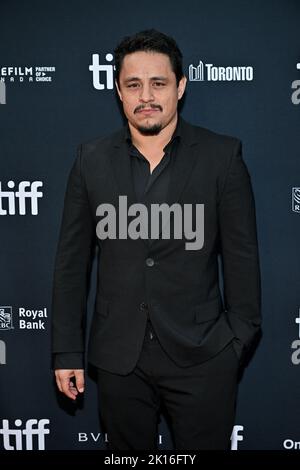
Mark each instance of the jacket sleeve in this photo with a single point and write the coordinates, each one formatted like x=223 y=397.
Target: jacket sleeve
x=67 y=361
x=72 y=266
x=239 y=251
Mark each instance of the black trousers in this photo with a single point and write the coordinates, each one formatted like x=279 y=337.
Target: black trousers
x=199 y=400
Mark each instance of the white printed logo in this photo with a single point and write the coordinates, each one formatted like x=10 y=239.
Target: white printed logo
x=6 y=318
x=26 y=74
x=26 y=191
x=295 y=358
x=91 y=436
x=210 y=72
x=236 y=436
x=28 y=319
x=296 y=200
x=102 y=72
x=32 y=319
x=196 y=74
x=295 y=97
x=97 y=436
x=290 y=444
x=31 y=436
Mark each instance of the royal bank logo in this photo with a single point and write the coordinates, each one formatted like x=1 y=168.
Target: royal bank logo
x=212 y=73
x=27 y=74
x=15 y=200
x=295 y=346
x=6 y=320
x=2 y=93
x=28 y=319
x=32 y=319
x=103 y=73
x=2 y=352
x=30 y=435
x=296 y=200
x=295 y=97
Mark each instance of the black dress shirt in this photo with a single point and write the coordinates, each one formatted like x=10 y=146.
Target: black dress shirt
x=151 y=187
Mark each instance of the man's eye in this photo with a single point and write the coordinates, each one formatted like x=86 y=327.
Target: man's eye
x=159 y=84
x=133 y=85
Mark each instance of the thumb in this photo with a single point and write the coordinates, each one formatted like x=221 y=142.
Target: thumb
x=79 y=377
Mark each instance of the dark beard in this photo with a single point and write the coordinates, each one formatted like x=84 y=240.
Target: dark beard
x=153 y=130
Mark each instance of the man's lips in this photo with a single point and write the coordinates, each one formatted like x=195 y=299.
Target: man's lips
x=148 y=110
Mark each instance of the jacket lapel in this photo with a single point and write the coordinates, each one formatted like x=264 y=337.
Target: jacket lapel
x=181 y=169
x=121 y=166
x=122 y=171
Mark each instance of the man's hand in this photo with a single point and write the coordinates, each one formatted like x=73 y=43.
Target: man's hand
x=68 y=386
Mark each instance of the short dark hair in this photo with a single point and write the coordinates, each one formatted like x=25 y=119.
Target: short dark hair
x=149 y=40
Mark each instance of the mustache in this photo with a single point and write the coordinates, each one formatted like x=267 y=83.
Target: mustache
x=142 y=106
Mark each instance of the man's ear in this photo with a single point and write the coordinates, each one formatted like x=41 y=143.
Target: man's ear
x=118 y=90
x=181 y=87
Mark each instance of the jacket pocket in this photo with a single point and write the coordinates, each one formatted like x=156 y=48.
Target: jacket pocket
x=208 y=311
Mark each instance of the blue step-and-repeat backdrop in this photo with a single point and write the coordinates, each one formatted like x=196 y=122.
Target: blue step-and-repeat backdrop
x=242 y=61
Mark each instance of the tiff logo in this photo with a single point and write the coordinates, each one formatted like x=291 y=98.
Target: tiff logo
x=100 y=70
x=236 y=436
x=23 y=439
x=2 y=353
x=2 y=93
x=25 y=191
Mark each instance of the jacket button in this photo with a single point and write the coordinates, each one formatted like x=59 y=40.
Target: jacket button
x=143 y=306
x=149 y=262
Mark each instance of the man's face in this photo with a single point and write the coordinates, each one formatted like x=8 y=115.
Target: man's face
x=148 y=91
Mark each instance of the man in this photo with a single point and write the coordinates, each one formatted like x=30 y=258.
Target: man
x=161 y=335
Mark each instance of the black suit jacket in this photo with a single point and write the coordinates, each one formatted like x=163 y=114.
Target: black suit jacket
x=181 y=291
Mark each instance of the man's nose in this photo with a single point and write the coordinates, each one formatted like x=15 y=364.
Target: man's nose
x=146 y=93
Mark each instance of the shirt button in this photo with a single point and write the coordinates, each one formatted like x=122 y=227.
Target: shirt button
x=143 y=306
x=150 y=262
